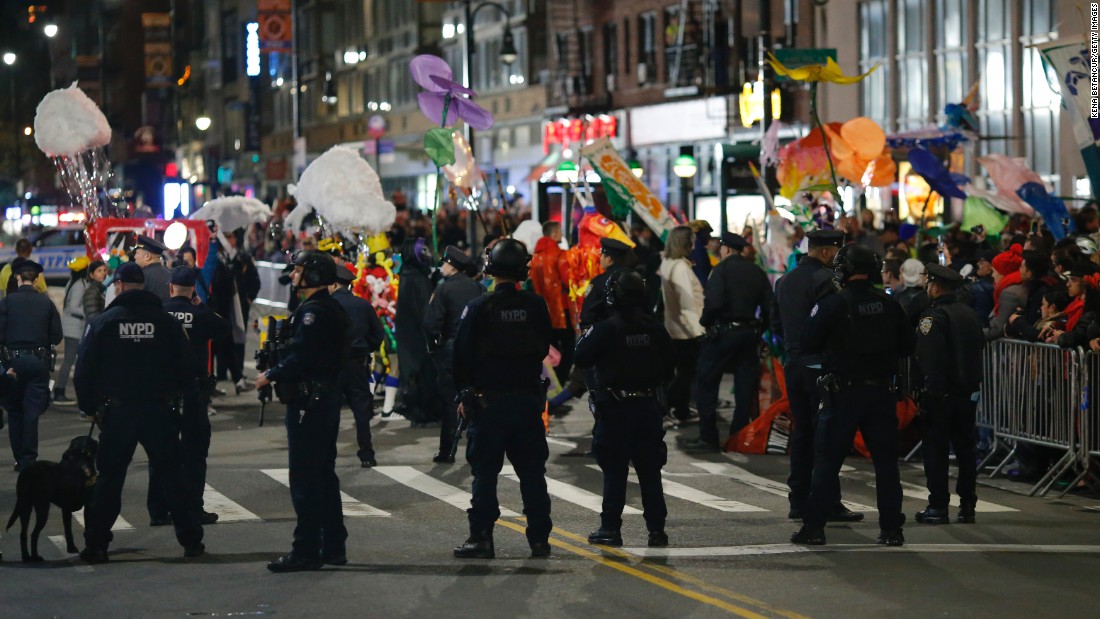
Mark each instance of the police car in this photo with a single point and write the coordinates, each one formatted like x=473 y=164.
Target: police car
x=53 y=249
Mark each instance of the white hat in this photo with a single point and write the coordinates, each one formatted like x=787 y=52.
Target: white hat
x=911 y=272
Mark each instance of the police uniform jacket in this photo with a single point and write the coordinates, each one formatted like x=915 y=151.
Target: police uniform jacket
x=796 y=293
x=861 y=331
x=29 y=319
x=502 y=339
x=594 y=308
x=319 y=345
x=949 y=348
x=157 y=278
x=630 y=351
x=446 y=305
x=366 y=329
x=735 y=290
x=133 y=351
x=207 y=332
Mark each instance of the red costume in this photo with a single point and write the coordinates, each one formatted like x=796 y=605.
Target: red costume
x=549 y=272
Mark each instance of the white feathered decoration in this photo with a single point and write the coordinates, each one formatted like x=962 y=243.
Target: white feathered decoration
x=528 y=232
x=67 y=122
x=233 y=212
x=345 y=191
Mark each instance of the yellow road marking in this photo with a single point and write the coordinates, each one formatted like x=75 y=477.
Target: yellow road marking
x=659 y=581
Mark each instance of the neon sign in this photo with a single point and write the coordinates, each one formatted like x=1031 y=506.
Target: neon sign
x=578 y=130
x=252 y=49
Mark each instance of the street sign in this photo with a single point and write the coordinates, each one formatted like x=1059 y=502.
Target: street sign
x=273 y=17
x=387 y=151
x=376 y=126
x=793 y=58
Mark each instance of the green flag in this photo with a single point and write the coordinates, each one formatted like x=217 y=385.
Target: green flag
x=978 y=212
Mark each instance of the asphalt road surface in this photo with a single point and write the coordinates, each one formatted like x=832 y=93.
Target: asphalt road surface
x=1026 y=557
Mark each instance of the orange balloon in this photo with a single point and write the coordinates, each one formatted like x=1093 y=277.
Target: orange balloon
x=864 y=136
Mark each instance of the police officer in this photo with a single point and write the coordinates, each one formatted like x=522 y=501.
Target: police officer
x=147 y=255
x=133 y=364
x=366 y=336
x=614 y=257
x=29 y=326
x=949 y=351
x=631 y=355
x=862 y=333
x=207 y=332
x=308 y=383
x=736 y=291
x=796 y=293
x=441 y=325
x=502 y=339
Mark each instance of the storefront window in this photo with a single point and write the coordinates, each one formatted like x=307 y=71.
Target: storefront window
x=873 y=89
x=912 y=59
x=951 y=57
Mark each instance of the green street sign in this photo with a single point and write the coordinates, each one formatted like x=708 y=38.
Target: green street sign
x=793 y=58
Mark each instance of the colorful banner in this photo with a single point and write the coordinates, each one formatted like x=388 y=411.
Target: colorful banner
x=624 y=189
x=273 y=17
x=158 y=49
x=1072 y=63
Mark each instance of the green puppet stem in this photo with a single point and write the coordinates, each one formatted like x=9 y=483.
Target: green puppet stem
x=825 y=140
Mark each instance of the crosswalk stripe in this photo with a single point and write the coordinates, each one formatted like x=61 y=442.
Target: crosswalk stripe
x=59 y=541
x=771 y=549
x=920 y=493
x=570 y=494
x=351 y=506
x=762 y=483
x=226 y=509
x=706 y=499
x=432 y=487
x=120 y=522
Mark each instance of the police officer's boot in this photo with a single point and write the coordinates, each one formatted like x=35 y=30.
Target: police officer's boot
x=891 y=538
x=606 y=537
x=540 y=550
x=658 y=539
x=933 y=515
x=966 y=514
x=808 y=536
x=478 y=546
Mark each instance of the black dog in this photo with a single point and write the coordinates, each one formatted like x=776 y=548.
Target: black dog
x=67 y=484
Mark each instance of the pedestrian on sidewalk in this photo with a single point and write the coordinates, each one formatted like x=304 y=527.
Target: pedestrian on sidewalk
x=72 y=325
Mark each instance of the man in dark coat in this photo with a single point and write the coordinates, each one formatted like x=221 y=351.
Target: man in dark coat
x=418 y=392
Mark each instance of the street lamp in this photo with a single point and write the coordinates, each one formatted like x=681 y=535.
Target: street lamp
x=202 y=123
x=508 y=55
x=50 y=30
x=566 y=172
x=685 y=168
x=636 y=168
x=9 y=58
x=27 y=131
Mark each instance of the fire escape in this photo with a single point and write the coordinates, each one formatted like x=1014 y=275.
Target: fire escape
x=572 y=45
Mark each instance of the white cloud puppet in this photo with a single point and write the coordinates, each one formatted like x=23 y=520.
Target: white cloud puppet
x=67 y=122
x=233 y=212
x=345 y=191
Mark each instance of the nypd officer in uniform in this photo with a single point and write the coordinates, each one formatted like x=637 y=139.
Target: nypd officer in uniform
x=736 y=291
x=29 y=326
x=862 y=334
x=147 y=255
x=796 y=293
x=631 y=356
x=502 y=339
x=134 y=362
x=366 y=336
x=308 y=383
x=207 y=332
x=441 y=325
x=949 y=351
x=614 y=257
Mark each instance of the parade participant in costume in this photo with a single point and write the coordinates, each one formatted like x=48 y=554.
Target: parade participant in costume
x=419 y=393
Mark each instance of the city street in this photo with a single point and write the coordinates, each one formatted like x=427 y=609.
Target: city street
x=1026 y=556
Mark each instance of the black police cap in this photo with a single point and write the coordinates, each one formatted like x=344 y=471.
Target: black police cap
x=456 y=257
x=129 y=273
x=826 y=238
x=22 y=265
x=150 y=245
x=183 y=277
x=734 y=241
x=613 y=246
x=944 y=275
x=344 y=275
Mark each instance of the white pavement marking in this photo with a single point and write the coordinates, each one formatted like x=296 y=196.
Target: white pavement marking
x=59 y=541
x=772 y=549
x=737 y=473
x=432 y=487
x=120 y=522
x=571 y=494
x=350 y=505
x=687 y=493
x=226 y=509
x=920 y=493
x=558 y=441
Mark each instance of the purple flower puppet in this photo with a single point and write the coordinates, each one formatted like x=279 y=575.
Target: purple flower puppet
x=445 y=96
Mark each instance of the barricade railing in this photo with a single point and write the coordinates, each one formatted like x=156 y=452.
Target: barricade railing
x=1089 y=419
x=1032 y=393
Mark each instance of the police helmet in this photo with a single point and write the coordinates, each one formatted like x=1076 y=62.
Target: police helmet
x=855 y=260
x=626 y=290
x=318 y=269
x=507 y=258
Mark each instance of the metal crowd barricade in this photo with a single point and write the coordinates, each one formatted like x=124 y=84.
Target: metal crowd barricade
x=1089 y=419
x=1032 y=393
